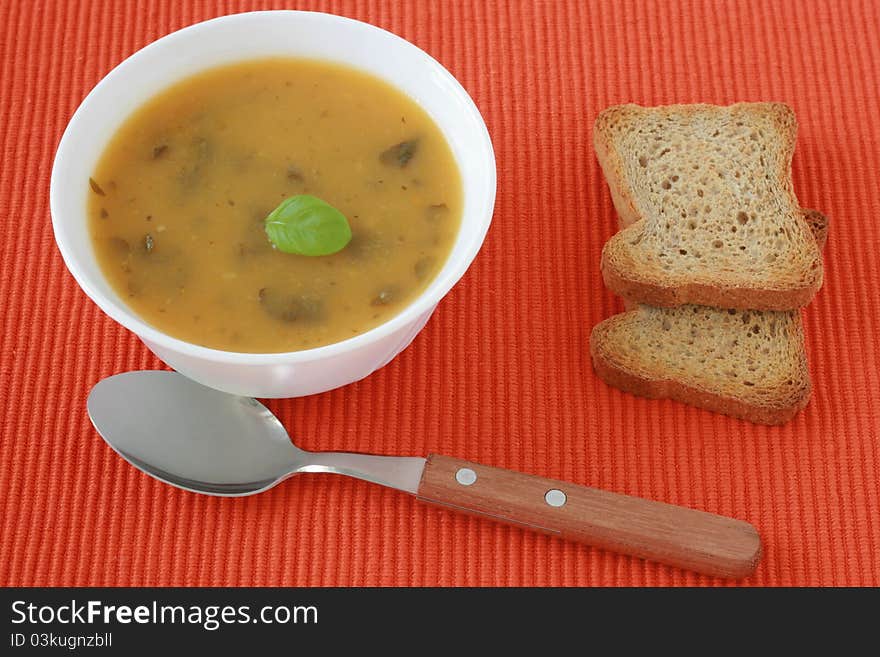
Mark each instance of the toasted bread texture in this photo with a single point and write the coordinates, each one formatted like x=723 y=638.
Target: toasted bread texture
x=817 y=222
x=706 y=195
x=696 y=355
x=746 y=363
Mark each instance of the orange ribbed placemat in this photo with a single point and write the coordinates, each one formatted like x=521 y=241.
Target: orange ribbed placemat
x=501 y=374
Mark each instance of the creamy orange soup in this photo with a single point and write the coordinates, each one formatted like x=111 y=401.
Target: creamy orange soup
x=179 y=198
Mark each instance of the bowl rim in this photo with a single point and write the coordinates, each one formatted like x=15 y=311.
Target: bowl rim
x=422 y=304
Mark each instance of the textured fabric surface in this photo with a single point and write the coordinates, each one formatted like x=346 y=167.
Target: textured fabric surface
x=501 y=374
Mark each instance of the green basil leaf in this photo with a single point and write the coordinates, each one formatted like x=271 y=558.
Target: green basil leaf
x=308 y=226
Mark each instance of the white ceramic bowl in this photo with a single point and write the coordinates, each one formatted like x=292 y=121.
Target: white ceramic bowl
x=248 y=36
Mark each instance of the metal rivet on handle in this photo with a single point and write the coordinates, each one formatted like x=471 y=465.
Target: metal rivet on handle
x=465 y=476
x=554 y=497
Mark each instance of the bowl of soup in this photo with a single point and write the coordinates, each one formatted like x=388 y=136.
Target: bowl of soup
x=273 y=202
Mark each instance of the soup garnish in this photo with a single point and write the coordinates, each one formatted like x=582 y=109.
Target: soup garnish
x=308 y=226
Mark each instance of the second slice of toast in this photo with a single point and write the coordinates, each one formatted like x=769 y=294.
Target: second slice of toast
x=748 y=364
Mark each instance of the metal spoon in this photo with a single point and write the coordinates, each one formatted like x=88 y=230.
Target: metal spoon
x=207 y=441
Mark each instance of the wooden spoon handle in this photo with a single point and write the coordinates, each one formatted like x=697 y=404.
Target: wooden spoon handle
x=674 y=535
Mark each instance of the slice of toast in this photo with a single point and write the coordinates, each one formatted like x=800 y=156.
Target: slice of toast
x=817 y=222
x=707 y=197
x=748 y=364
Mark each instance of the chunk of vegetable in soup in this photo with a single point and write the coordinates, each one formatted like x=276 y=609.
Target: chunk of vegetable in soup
x=179 y=199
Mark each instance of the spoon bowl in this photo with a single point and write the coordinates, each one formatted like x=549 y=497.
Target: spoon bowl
x=206 y=441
